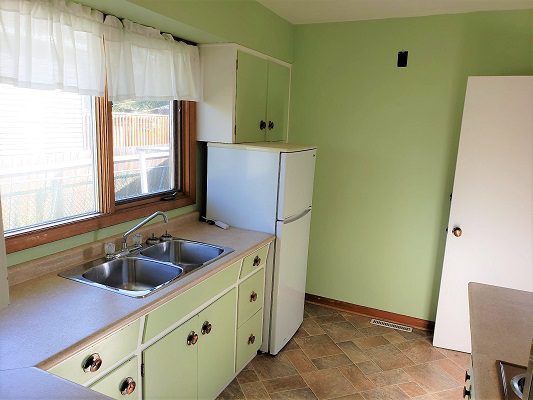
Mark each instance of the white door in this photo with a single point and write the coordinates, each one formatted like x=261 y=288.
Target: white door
x=290 y=271
x=297 y=173
x=492 y=202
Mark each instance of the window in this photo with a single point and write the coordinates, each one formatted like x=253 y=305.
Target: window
x=71 y=163
x=47 y=157
x=143 y=149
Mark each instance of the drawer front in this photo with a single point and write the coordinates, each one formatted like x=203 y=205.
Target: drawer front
x=251 y=294
x=249 y=338
x=108 y=350
x=254 y=261
x=121 y=383
x=177 y=308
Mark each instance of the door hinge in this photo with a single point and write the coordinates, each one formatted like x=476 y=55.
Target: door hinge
x=142 y=370
x=237 y=63
x=451 y=194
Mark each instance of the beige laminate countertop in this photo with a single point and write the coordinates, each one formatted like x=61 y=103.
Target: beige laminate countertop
x=50 y=317
x=501 y=325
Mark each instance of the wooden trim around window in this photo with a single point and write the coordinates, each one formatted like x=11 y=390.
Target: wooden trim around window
x=117 y=215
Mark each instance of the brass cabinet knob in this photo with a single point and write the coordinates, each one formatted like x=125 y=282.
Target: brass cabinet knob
x=127 y=386
x=262 y=125
x=206 y=328
x=251 y=339
x=257 y=261
x=467 y=376
x=192 y=338
x=92 y=363
x=253 y=296
x=457 y=232
x=466 y=393
x=270 y=125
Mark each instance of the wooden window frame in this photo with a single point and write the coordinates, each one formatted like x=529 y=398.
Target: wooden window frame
x=110 y=213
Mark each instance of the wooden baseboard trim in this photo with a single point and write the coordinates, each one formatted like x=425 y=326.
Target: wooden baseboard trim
x=371 y=312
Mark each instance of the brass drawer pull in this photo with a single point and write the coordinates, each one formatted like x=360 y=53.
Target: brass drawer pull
x=251 y=339
x=127 y=386
x=92 y=363
x=253 y=297
x=192 y=338
x=206 y=328
x=257 y=261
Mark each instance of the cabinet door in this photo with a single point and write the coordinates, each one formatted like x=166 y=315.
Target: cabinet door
x=251 y=98
x=216 y=349
x=121 y=383
x=278 y=101
x=170 y=365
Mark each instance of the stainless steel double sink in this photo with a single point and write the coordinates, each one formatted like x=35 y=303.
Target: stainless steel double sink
x=148 y=269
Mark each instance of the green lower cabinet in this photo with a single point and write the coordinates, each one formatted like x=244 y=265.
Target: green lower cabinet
x=249 y=339
x=216 y=346
x=121 y=383
x=171 y=365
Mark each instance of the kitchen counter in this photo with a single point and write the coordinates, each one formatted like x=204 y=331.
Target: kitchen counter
x=33 y=383
x=50 y=317
x=501 y=324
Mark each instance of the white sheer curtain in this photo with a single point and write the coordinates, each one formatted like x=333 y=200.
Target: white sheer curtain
x=52 y=45
x=142 y=63
x=58 y=44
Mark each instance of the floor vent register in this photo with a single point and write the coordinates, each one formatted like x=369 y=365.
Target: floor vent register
x=391 y=325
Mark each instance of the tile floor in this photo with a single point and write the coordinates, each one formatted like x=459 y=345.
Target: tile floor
x=339 y=355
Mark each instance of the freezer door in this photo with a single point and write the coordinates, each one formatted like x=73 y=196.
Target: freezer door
x=290 y=270
x=297 y=173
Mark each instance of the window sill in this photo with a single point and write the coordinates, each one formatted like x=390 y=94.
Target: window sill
x=23 y=241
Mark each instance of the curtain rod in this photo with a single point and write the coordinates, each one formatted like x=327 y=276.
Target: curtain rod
x=176 y=38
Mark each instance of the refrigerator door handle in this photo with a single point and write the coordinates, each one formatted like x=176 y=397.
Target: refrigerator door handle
x=296 y=217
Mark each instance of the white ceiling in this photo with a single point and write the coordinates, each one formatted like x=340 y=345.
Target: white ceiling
x=318 y=11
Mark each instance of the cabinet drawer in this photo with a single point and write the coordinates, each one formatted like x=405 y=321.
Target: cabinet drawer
x=104 y=354
x=121 y=383
x=249 y=338
x=177 y=308
x=251 y=293
x=254 y=261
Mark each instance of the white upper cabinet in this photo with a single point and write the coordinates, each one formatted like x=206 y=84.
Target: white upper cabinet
x=245 y=96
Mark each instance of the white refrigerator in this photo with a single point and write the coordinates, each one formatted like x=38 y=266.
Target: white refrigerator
x=268 y=187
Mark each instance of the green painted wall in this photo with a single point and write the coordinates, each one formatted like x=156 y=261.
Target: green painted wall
x=387 y=140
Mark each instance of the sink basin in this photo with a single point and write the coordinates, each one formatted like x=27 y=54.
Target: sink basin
x=185 y=253
x=132 y=276
x=143 y=272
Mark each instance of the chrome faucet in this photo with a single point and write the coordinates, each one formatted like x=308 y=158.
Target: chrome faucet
x=143 y=222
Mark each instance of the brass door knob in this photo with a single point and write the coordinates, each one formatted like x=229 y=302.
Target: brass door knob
x=206 y=328
x=251 y=339
x=257 y=261
x=253 y=296
x=192 y=338
x=457 y=232
x=92 y=363
x=127 y=386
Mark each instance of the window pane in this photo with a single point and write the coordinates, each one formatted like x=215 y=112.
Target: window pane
x=47 y=157
x=143 y=148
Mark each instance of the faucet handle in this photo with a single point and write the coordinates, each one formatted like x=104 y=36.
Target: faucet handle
x=109 y=248
x=137 y=239
x=166 y=237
